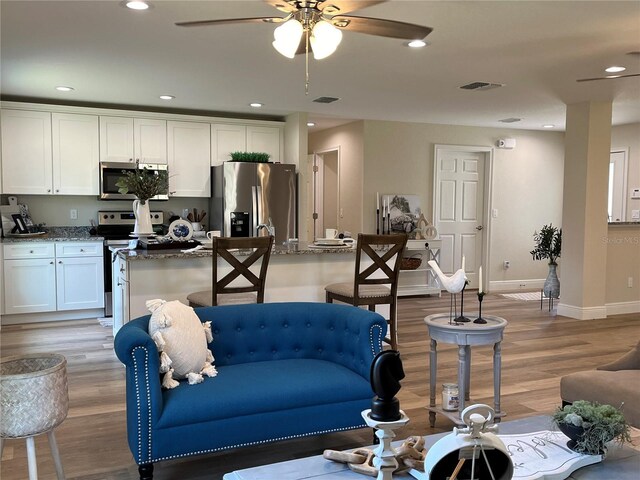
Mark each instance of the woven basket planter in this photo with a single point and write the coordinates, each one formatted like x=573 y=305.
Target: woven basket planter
x=33 y=394
x=412 y=262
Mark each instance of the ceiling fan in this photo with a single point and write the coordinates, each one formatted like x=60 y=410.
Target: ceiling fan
x=608 y=77
x=316 y=26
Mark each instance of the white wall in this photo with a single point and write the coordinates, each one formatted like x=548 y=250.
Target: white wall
x=527 y=184
x=628 y=137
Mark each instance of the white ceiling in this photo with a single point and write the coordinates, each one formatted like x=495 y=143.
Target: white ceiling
x=111 y=54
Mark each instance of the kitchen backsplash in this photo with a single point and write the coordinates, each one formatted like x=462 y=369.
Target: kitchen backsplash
x=55 y=210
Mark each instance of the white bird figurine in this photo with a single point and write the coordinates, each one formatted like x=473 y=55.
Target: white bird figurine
x=452 y=284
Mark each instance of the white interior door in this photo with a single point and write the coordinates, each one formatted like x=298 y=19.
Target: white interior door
x=617 y=186
x=459 y=209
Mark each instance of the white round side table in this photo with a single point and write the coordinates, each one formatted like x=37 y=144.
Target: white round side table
x=34 y=399
x=465 y=335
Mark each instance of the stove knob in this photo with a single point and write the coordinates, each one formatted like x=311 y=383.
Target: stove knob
x=156 y=216
x=112 y=216
x=105 y=216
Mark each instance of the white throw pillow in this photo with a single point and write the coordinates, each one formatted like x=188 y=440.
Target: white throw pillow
x=182 y=340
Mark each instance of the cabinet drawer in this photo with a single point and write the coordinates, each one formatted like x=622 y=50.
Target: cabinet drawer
x=26 y=250
x=422 y=244
x=77 y=249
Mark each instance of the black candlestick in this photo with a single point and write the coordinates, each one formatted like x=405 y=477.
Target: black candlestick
x=388 y=222
x=480 y=319
x=462 y=318
x=377 y=221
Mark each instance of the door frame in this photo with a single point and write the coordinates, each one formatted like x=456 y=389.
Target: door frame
x=625 y=178
x=320 y=210
x=487 y=201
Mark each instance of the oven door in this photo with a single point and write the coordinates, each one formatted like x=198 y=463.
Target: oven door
x=110 y=172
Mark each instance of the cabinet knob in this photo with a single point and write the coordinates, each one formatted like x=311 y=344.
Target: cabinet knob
x=118 y=284
x=59 y=261
x=48 y=190
x=122 y=269
x=30 y=251
x=82 y=249
x=131 y=159
x=51 y=262
x=57 y=190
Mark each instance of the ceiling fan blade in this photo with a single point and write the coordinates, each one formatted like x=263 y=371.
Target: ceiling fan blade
x=226 y=21
x=340 y=7
x=283 y=5
x=380 y=27
x=609 y=77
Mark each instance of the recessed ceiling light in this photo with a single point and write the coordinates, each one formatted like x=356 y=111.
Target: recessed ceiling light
x=615 y=69
x=137 y=5
x=255 y=105
x=548 y=126
x=416 y=44
x=311 y=124
x=167 y=97
x=62 y=88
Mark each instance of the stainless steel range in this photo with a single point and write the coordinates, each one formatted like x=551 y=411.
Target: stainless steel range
x=116 y=226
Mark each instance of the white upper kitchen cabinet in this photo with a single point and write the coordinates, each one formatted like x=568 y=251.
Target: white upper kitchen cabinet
x=26 y=152
x=226 y=139
x=124 y=139
x=265 y=139
x=189 y=159
x=75 y=154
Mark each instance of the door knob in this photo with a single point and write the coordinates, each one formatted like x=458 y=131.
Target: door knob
x=479 y=227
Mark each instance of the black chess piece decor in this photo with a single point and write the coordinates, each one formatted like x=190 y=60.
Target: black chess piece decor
x=386 y=373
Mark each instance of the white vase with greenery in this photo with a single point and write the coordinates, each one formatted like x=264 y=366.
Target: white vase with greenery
x=145 y=185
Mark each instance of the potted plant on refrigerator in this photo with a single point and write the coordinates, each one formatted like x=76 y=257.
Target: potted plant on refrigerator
x=252 y=157
x=144 y=185
x=548 y=246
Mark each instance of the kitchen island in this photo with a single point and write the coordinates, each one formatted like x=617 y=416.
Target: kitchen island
x=297 y=272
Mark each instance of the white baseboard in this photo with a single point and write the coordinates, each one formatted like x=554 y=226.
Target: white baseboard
x=619 y=308
x=21 y=318
x=516 y=285
x=581 y=313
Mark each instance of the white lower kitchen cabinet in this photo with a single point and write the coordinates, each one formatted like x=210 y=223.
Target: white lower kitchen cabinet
x=79 y=283
x=29 y=285
x=120 y=296
x=52 y=277
x=422 y=280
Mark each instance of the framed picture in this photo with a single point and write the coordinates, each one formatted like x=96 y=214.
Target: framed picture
x=404 y=212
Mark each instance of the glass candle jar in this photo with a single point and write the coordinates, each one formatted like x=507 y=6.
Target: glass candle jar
x=450 y=401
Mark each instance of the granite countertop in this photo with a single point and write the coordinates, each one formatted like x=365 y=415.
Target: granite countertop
x=301 y=248
x=58 y=234
x=624 y=224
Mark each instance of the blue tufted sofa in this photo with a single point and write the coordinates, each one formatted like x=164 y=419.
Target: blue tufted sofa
x=286 y=370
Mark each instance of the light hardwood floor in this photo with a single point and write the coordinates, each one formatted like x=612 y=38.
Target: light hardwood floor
x=539 y=347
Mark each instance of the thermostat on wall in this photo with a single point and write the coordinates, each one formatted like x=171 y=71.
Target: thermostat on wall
x=506 y=143
x=635 y=193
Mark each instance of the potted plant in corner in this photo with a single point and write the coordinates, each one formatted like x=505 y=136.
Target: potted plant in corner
x=144 y=185
x=548 y=245
x=590 y=426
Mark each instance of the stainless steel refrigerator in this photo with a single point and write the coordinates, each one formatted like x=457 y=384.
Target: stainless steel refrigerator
x=247 y=195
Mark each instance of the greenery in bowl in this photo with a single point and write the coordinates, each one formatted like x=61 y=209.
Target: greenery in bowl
x=255 y=157
x=144 y=184
x=600 y=424
x=548 y=244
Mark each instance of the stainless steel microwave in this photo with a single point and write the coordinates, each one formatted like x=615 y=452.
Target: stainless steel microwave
x=110 y=172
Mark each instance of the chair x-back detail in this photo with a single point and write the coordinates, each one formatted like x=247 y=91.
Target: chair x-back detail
x=222 y=292
x=377 y=283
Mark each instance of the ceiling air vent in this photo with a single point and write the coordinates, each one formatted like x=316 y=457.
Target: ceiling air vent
x=510 y=120
x=481 y=86
x=326 y=99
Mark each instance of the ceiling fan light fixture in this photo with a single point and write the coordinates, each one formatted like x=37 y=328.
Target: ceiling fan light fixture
x=615 y=69
x=287 y=38
x=324 y=40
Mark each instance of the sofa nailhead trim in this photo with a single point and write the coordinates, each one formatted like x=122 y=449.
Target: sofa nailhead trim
x=211 y=450
x=371 y=340
x=146 y=376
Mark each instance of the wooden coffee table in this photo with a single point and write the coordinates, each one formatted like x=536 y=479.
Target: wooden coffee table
x=621 y=463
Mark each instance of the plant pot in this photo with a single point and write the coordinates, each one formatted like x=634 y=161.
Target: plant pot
x=551 y=286
x=575 y=434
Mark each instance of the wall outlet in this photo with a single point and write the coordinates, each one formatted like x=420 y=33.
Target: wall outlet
x=635 y=214
x=630 y=282
x=494 y=213
x=73 y=214
x=506 y=264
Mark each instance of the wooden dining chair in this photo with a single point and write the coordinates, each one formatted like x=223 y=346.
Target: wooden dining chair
x=223 y=293
x=377 y=284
